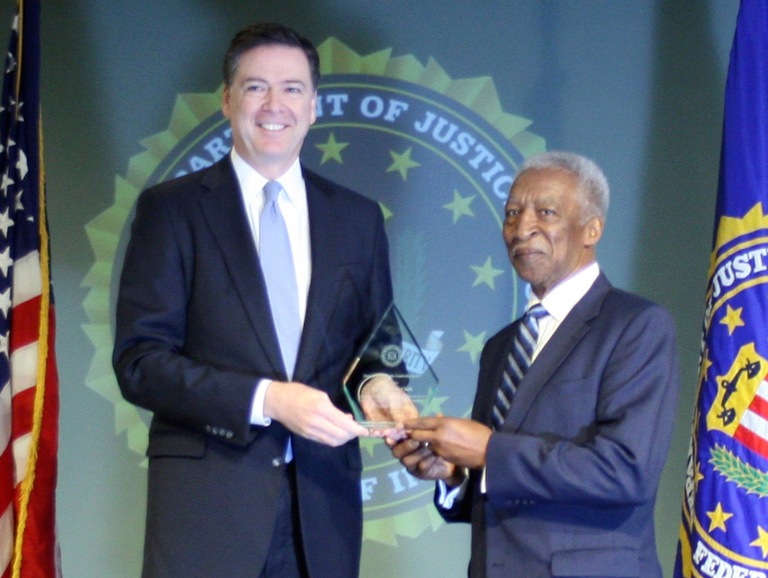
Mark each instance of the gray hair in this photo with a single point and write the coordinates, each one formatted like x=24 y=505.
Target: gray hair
x=594 y=186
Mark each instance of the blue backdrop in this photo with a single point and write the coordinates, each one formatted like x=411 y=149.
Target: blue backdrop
x=637 y=86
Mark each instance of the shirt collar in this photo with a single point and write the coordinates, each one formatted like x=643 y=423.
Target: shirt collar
x=566 y=294
x=252 y=182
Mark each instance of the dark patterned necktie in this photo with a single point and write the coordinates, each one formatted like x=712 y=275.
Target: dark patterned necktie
x=280 y=276
x=518 y=361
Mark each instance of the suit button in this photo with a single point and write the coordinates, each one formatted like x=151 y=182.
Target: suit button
x=278 y=462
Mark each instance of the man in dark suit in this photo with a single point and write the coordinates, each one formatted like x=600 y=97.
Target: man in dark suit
x=558 y=472
x=254 y=464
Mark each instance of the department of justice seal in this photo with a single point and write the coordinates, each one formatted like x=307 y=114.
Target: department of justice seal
x=439 y=156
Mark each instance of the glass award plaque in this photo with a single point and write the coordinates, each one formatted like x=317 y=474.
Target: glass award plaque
x=392 y=350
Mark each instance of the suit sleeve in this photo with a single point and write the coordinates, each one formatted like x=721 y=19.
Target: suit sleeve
x=606 y=441
x=150 y=357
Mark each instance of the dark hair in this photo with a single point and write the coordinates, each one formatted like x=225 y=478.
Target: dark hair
x=262 y=34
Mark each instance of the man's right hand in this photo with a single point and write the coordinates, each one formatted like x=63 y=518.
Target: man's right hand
x=308 y=412
x=421 y=462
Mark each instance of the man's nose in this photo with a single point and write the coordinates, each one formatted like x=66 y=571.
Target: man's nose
x=271 y=99
x=526 y=223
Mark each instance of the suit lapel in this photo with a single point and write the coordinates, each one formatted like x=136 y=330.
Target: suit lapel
x=571 y=331
x=320 y=300
x=223 y=208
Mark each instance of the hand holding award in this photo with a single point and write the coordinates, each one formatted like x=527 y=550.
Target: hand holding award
x=389 y=378
x=386 y=407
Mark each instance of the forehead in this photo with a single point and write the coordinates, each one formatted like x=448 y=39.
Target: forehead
x=274 y=62
x=537 y=184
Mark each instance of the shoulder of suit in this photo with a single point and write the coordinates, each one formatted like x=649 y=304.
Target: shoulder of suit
x=320 y=184
x=622 y=303
x=220 y=174
x=623 y=298
x=209 y=177
x=605 y=304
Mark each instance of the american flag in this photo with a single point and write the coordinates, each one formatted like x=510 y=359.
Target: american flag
x=28 y=376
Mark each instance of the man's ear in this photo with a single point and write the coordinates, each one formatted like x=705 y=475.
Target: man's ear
x=313 y=115
x=225 y=102
x=593 y=231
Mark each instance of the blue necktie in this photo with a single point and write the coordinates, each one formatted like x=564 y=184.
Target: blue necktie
x=280 y=275
x=518 y=362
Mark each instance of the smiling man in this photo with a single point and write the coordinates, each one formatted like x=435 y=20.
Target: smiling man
x=558 y=468
x=269 y=99
x=247 y=289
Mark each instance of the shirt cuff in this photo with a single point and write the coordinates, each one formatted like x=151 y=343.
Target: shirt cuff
x=365 y=381
x=257 y=405
x=446 y=497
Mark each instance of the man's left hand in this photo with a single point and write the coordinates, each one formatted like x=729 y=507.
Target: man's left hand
x=383 y=400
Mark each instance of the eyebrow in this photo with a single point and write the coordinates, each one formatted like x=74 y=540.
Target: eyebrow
x=264 y=80
x=538 y=201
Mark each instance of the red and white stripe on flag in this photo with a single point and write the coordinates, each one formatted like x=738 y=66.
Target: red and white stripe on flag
x=28 y=376
x=753 y=427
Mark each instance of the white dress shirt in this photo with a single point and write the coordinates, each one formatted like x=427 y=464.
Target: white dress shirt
x=560 y=300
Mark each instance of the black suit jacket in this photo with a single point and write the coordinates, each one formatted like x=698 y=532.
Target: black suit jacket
x=571 y=479
x=194 y=334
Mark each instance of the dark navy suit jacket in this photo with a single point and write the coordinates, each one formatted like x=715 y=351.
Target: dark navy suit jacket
x=571 y=480
x=194 y=334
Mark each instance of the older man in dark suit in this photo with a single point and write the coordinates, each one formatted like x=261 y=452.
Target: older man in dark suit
x=246 y=291
x=558 y=469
